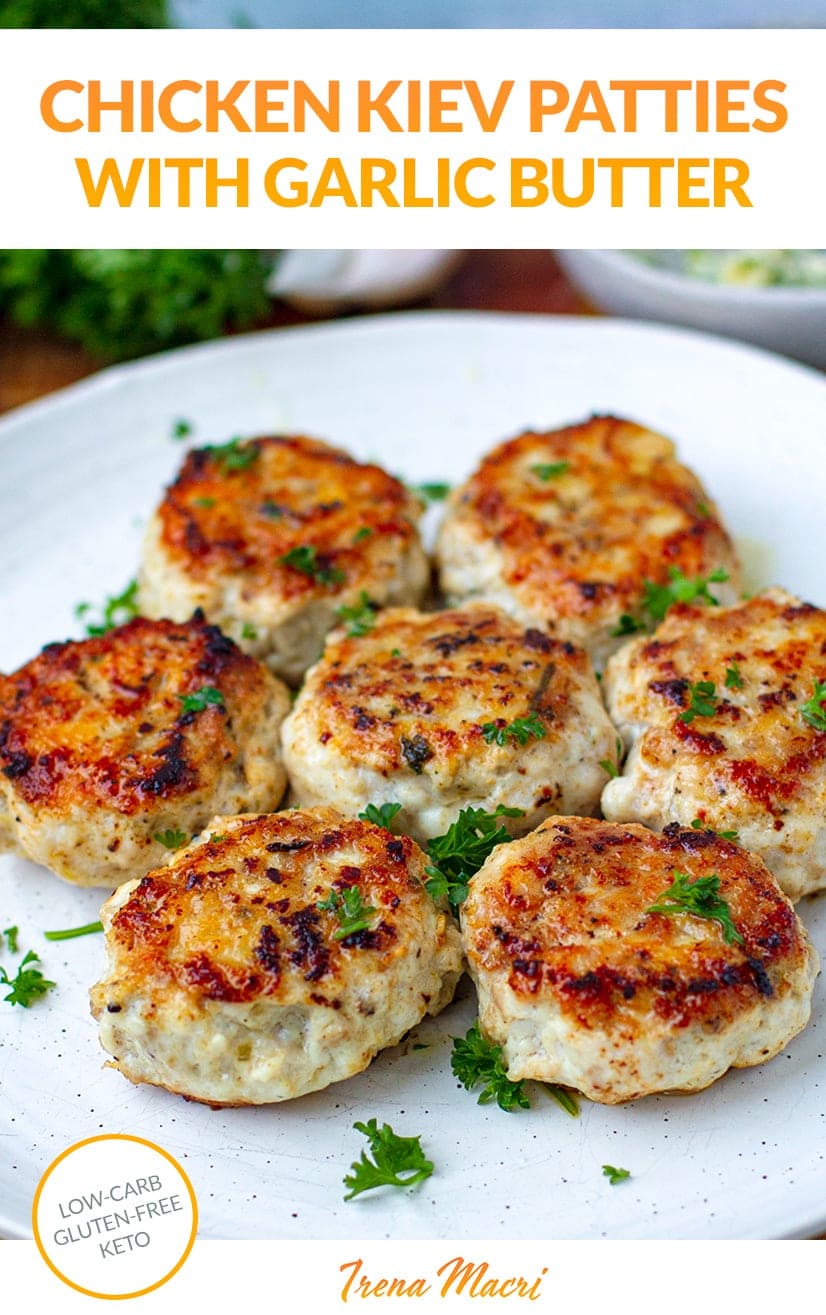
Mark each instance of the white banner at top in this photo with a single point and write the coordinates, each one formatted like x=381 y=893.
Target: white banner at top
x=421 y=138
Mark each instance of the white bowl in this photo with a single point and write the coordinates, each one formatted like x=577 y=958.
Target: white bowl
x=791 y=321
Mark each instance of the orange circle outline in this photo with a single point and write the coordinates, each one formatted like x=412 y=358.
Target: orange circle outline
x=87 y=1141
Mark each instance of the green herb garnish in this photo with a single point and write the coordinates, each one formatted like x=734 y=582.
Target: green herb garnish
x=733 y=678
x=462 y=850
x=699 y=825
x=203 y=698
x=397 y=1161
x=550 y=470
x=116 y=611
x=348 y=906
x=699 y=898
x=248 y=631
x=613 y=769
x=11 y=934
x=27 y=984
x=813 y=711
x=361 y=617
x=362 y=534
x=569 y=1102
x=233 y=455
x=431 y=492
x=182 y=429
x=69 y=933
x=380 y=814
x=628 y=625
x=615 y=1176
x=306 y=560
x=702 y=701
x=658 y=598
x=206 y=503
x=172 y=839
x=521 y=730
x=475 y=1060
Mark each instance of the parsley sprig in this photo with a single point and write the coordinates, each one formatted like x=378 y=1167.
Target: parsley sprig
x=521 y=729
x=550 y=470
x=658 y=598
x=460 y=852
x=28 y=984
x=234 y=455
x=380 y=814
x=615 y=1176
x=733 y=678
x=116 y=611
x=361 y=617
x=475 y=1061
x=700 y=899
x=397 y=1161
x=702 y=701
x=813 y=711
x=70 y=933
x=431 y=492
x=350 y=910
x=205 y=697
x=306 y=561
x=172 y=838
x=699 y=825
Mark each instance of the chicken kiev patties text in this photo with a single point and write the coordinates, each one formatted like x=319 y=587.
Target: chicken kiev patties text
x=447 y=710
x=725 y=713
x=622 y=963
x=114 y=747
x=272 y=536
x=565 y=529
x=275 y=958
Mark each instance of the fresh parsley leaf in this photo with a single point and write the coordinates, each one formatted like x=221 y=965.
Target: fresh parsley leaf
x=182 y=429
x=462 y=850
x=306 y=560
x=69 y=933
x=550 y=470
x=658 y=598
x=699 y=825
x=203 y=698
x=520 y=730
x=361 y=617
x=397 y=1161
x=28 y=983
x=116 y=611
x=702 y=701
x=395 y=652
x=11 y=934
x=362 y=534
x=615 y=1176
x=206 y=503
x=733 y=678
x=215 y=837
x=348 y=906
x=172 y=839
x=380 y=814
x=234 y=455
x=431 y=492
x=248 y=631
x=566 y=1099
x=613 y=769
x=813 y=710
x=628 y=625
x=701 y=899
x=475 y=1061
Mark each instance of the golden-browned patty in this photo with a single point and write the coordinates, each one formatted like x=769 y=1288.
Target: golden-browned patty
x=107 y=743
x=744 y=753
x=270 y=537
x=232 y=980
x=446 y=710
x=581 y=984
x=563 y=529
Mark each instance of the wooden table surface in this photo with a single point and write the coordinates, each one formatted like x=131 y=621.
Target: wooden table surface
x=33 y=363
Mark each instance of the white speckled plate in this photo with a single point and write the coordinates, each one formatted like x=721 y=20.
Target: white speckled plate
x=426 y=394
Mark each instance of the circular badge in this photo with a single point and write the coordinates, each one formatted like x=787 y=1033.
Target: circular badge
x=114 y=1216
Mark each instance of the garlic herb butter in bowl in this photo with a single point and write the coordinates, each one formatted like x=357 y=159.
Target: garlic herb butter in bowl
x=776 y=298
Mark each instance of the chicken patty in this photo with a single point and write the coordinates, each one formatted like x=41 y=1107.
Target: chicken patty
x=272 y=959
x=565 y=530
x=114 y=747
x=441 y=711
x=600 y=968
x=725 y=713
x=272 y=536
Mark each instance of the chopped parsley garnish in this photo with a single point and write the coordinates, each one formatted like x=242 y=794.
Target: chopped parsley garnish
x=813 y=711
x=397 y=1161
x=628 y=625
x=701 y=899
x=361 y=617
x=348 y=906
x=702 y=701
x=566 y=1099
x=206 y=503
x=11 y=934
x=28 y=984
x=703 y=510
x=475 y=1061
x=248 y=631
x=362 y=534
x=215 y=838
x=550 y=470
x=172 y=839
x=658 y=598
x=699 y=825
x=182 y=429
x=613 y=769
x=460 y=852
x=431 y=492
x=615 y=1176
x=69 y=933
x=380 y=814
x=116 y=611
x=203 y=698
x=733 y=678
x=234 y=455
x=306 y=560
x=521 y=730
